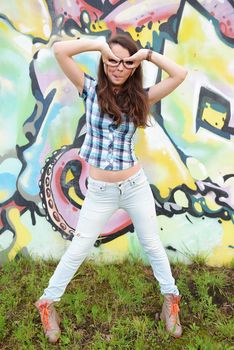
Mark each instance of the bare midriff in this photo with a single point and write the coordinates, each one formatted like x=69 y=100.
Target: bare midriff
x=113 y=175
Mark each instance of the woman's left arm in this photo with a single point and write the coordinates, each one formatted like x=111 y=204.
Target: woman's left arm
x=176 y=73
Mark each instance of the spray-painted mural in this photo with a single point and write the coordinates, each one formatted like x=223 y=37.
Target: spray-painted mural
x=187 y=154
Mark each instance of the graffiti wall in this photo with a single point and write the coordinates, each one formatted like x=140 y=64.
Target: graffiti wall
x=187 y=153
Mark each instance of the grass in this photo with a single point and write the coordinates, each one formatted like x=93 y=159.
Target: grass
x=112 y=307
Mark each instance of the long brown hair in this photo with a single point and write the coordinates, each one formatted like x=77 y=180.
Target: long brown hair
x=132 y=99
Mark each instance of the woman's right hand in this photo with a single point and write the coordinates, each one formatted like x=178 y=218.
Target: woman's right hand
x=107 y=55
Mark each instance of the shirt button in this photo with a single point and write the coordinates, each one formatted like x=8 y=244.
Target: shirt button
x=109 y=167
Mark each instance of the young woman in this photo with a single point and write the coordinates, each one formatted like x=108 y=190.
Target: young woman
x=116 y=105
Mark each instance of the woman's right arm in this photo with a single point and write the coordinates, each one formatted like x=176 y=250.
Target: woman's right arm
x=64 y=50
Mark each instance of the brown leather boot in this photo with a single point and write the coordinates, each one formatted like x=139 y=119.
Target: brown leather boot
x=49 y=318
x=170 y=314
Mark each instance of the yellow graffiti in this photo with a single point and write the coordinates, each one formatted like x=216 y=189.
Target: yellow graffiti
x=222 y=254
x=198 y=207
x=69 y=176
x=3 y=195
x=211 y=204
x=196 y=38
x=22 y=234
x=29 y=17
x=108 y=250
x=72 y=194
x=98 y=26
x=213 y=117
x=170 y=171
x=145 y=35
x=208 y=61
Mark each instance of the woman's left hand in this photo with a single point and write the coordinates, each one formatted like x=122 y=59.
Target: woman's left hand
x=135 y=60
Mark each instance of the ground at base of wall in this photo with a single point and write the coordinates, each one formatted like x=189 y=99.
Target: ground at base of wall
x=113 y=306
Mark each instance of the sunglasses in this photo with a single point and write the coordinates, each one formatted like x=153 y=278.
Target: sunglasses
x=114 y=63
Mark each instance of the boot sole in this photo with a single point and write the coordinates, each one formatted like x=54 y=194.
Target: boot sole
x=159 y=317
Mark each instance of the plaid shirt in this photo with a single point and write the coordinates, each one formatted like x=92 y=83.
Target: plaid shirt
x=105 y=146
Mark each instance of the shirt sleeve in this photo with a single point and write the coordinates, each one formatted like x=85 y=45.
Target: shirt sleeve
x=89 y=82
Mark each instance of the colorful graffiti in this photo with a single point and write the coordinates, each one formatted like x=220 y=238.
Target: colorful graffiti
x=187 y=154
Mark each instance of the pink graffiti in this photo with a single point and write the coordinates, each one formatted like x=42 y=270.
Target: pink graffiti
x=222 y=11
x=60 y=210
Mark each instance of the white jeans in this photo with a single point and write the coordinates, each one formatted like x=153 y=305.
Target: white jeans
x=102 y=199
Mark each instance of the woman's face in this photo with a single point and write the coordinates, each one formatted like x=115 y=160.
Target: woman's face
x=118 y=74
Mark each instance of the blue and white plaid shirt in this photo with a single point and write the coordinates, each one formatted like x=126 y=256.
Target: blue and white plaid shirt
x=105 y=146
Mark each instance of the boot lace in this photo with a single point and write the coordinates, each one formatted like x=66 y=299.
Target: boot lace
x=44 y=311
x=174 y=308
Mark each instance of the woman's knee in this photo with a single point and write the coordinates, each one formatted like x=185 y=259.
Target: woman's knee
x=152 y=245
